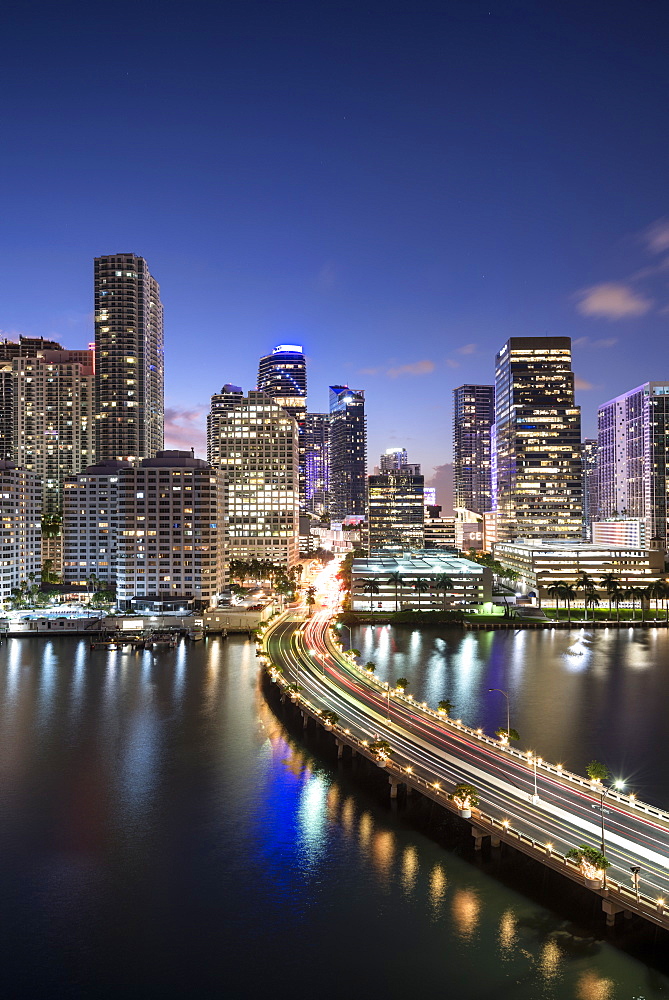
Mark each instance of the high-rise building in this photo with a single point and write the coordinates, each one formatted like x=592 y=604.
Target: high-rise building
x=589 y=466
x=393 y=459
x=254 y=442
x=348 y=452
x=129 y=366
x=46 y=411
x=317 y=462
x=169 y=539
x=395 y=512
x=283 y=376
x=473 y=417
x=633 y=445
x=538 y=441
x=20 y=513
x=90 y=524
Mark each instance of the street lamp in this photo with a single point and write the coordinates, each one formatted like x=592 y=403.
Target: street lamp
x=508 y=717
x=635 y=879
x=603 y=792
x=348 y=629
x=320 y=655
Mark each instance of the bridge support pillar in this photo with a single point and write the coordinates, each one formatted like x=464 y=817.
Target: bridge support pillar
x=478 y=835
x=495 y=841
x=340 y=749
x=394 y=785
x=305 y=720
x=611 y=910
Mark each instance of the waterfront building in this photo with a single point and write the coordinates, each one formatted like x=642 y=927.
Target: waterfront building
x=541 y=564
x=254 y=442
x=426 y=579
x=395 y=511
x=20 y=514
x=590 y=472
x=317 y=462
x=129 y=364
x=283 y=376
x=633 y=440
x=473 y=417
x=538 y=441
x=90 y=525
x=348 y=452
x=169 y=540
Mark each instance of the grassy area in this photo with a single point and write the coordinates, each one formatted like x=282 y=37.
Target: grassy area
x=602 y=614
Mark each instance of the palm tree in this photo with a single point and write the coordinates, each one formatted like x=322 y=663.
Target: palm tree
x=443 y=582
x=396 y=580
x=587 y=585
x=568 y=593
x=420 y=585
x=610 y=583
x=555 y=590
x=402 y=683
x=655 y=590
x=446 y=706
x=370 y=587
x=592 y=601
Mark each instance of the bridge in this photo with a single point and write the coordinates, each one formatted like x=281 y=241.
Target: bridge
x=539 y=808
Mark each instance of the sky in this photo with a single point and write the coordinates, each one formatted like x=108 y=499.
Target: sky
x=397 y=186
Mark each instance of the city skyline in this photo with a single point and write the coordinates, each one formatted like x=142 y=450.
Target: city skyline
x=426 y=202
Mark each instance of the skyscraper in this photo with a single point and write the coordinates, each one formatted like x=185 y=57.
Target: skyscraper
x=473 y=417
x=396 y=511
x=633 y=440
x=317 y=462
x=129 y=366
x=254 y=442
x=590 y=486
x=538 y=441
x=393 y=459
x=283 y=376
x=348 y=452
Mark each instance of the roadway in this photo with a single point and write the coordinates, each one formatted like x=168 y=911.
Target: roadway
x=562 y=813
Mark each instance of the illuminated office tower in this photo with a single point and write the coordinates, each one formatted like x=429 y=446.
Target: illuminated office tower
x=129 y=367
x=348 y=452
x=395 y=511
x=473 y=417
x=538 y=441
x=589 y=464
x=317 y=462
x=254 y=442
x=633 y=445
x=283 y=376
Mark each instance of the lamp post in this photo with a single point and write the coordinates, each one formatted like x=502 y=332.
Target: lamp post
x=603 y=792
x=348 y=629
x=321 y=657
x=635 y=879
x=508 y=717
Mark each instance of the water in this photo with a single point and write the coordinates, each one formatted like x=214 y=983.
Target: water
x=573 y=695
x=162 y=835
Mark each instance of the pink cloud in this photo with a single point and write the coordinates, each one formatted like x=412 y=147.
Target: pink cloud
x=612 y=300
x=467 y=349
x=656 y=236
x=581 y=383
x=185 y=429
x=413 y=368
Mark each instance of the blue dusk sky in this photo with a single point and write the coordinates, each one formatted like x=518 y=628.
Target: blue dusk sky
x=398 y=186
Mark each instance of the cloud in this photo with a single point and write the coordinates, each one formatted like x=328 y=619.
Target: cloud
x=656 y=236
x=185 y=429
x=413 y=368
x=612 y=300
x=452 y=364
x=442 y=480
x=581 y=383
x=467 y=349
x=586 y=342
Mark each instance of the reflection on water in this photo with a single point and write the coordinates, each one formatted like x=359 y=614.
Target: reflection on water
x=573 y=695
x=153 y=807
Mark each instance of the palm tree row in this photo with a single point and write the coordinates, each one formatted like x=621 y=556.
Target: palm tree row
x=616 y=592
x=442 y=583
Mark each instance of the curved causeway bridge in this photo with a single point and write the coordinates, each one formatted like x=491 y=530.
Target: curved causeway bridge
x=537 y=807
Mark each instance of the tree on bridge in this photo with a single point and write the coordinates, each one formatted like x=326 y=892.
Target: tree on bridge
x=464 y=795
x=446 y=706
x=597 y=771
x=370 y=666
x=329 y=717
x=381 y=748
x=507 y=734
x=592 y=862
x=402 y=683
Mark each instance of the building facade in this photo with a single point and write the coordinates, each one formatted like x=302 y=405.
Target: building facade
x=317 y=462
x=538 y=441
x=254 y=442
x=90 y=525
x=430 y=580
x=20 y=515
x=473 y=417
x=169 y=542
x=395 y=512
x=633 y=443
x=129 y=363
x=590 y=471
x=348 y=452
x=283 y=376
